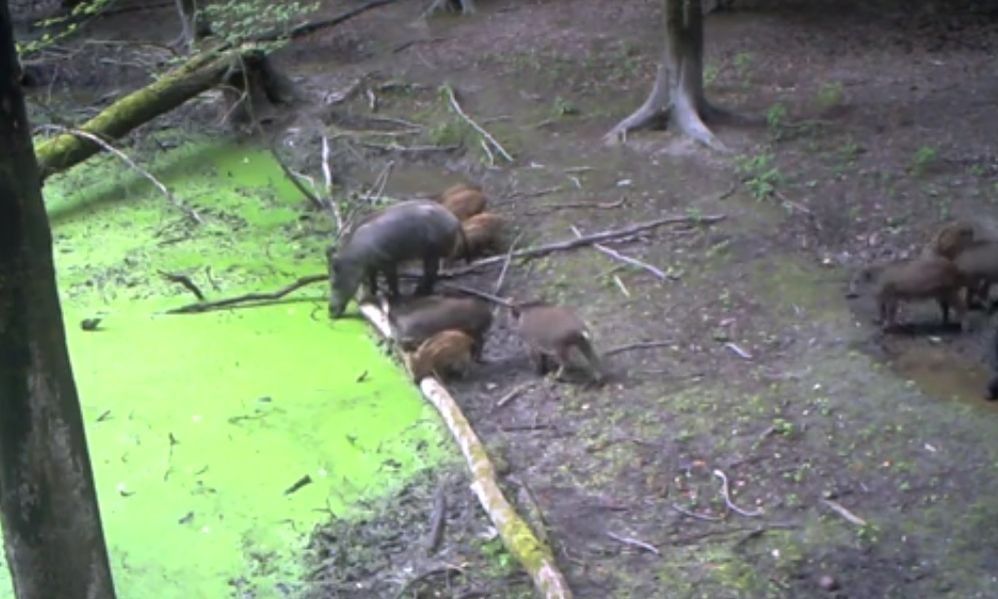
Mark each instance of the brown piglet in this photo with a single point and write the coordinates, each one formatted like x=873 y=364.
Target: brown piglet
x=552 y=331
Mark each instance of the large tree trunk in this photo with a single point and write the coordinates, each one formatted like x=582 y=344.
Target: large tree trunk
x=678 y=89
x=48 y=507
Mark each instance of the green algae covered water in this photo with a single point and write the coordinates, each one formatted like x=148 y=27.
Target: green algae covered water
x=200 y=425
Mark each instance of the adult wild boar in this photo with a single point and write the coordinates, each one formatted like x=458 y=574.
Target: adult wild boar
x=407 y=230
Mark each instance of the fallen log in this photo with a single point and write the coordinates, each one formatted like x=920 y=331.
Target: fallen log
x=170 y=91
x=535 y=557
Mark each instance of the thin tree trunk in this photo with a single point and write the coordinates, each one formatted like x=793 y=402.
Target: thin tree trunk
x=678 y=88
x=48 y=507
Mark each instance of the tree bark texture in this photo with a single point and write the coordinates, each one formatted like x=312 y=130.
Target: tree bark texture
x=678 y=88
x=48 y=506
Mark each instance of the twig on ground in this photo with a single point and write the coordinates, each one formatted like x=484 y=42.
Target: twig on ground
x=444 y=569
x=185 y=281
x=397 y=147
x=659 y=274
x=505 y=265
x=571 y=244
x=301 y=482
x=620 y=285
x=727 y=498
x=437 y=519
x=692 y=514
x=495 y=299
x=526 y=195
x=576 y=205
x=515 y=392
x=313 y=199
x=327 y=177
x=839 y=509
x=377 y=189
x=481 y=131
x=410 y=43
x=638 y=345
x=737 y=349
x=190 y=212
x=248 y=297
x=488 y=152
x=633 y=542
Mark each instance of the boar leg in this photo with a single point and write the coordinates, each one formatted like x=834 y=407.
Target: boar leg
x=953 y=298
x=888 y=312
x=391 y=275
x=993 y=389
x=477 y=348
x=431 y=263
x=539 y=360
x=587 y=350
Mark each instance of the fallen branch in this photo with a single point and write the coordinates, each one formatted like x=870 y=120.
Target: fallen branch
x=185 y=281
x=495 y=299
x=505 y=264
x=634 y=542
x=444 y=569
x=190 y=212
x=696 y=516
x=535 y=557
x=571 y=244
x=437 y=520
x=514 y=393
x=449 y=91
x=727 y=498
x=534 y=252
x=576 y=205
x=839 y=509
x=248 y=297
x=626 y=259
x=638 y=345
x=526 y=195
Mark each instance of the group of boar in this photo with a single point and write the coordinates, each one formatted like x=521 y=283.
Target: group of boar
x=956 y=269
x=446 y=333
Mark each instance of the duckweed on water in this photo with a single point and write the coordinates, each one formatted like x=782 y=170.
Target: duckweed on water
x=198 y=424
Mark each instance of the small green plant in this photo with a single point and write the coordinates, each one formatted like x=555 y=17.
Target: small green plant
x=830 y=95
x=761 y=175
x=710 y=73
x=783 y=427
x=57 y=28
x=496 y=553
x=563 y=107
x=776 y=118
x=924 y=157
x=977 y=170
x=849 y=151
x=236 y=21
x=446 y=133
x=868 y=532
x=742 y=63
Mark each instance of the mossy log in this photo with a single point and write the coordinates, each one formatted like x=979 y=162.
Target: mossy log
x=137 y=108
x=535 y=557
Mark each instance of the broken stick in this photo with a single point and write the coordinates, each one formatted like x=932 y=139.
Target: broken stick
x=486 y=136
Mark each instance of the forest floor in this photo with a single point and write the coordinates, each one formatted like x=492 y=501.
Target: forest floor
x=875 y=125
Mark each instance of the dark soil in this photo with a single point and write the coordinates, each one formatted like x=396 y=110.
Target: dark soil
x=875 y=124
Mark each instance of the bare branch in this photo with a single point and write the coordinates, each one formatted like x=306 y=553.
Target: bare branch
x=481 y=131
x=190 y=212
